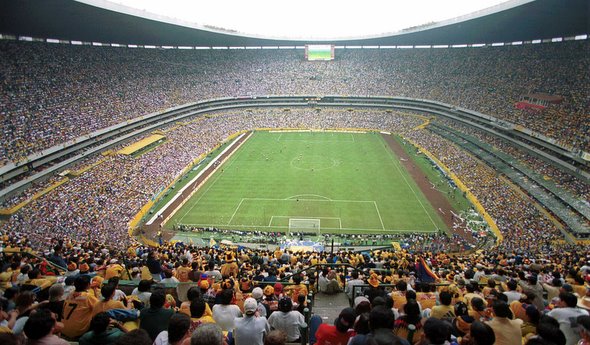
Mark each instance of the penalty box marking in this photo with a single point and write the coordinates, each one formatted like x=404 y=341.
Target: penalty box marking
x=304 y=217
x=373 y=202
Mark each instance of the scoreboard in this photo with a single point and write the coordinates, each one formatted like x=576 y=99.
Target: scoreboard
x=319 y=52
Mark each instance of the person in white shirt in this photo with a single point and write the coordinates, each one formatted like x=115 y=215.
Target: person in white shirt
x=512 y=294
x=225 y=313
x=565 y=312
x=287 y=320
x=349 y=290
x=250 y=329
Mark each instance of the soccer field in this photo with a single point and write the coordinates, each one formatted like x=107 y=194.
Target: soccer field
x=341 y=182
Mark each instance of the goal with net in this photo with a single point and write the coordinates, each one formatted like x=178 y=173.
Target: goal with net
x=307 y=225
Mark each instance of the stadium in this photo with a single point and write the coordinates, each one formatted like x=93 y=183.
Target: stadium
x=446 y=158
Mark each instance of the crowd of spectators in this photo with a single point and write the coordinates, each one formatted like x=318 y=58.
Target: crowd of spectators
x=561 y=179
x=52 y=93
x=522 y=224
x=85 y=220
x=242 y=295
x=99 y=204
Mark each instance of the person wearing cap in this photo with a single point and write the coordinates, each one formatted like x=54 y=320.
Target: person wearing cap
x=72 y=270
x=56 y=300
x=258 y=294
x=287 y=320
x=250 y=329
x=230 y=267
x=340 y=332
x=374 y=290
x=207 y=292
x=114 y=269
x=270 y=299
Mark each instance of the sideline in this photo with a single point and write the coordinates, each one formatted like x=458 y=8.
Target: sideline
x=190 y=183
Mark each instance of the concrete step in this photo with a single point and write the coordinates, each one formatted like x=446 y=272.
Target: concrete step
x=328 y=307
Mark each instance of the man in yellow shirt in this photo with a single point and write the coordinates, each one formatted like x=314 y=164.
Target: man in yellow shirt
x=36 y=279
x=78 y=308
x=107 y=303
x=114 y=269
x=182 y=272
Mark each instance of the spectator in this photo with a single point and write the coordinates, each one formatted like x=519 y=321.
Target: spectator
x=103 y=330
x=340 y=332
x=107 y=303
x=381 y=323
x=135 y=337
x=445 y=309
x=437 y=332
x=177 y=333
x=507 y=331
x=40 y=327
x=275 y=337
x=250 y=329
x=225 y=313
x=208 y=334
x=566 y=311
x=287 y=320
x=479 y=334
x=155 y=318
x=77 y=310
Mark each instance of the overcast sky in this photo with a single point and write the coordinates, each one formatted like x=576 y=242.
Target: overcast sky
x=311 y=18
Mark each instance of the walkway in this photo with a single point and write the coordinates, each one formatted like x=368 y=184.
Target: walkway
x=329 y=306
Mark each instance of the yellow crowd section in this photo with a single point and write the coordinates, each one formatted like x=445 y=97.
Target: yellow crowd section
x=462 y=187
x=131 y=149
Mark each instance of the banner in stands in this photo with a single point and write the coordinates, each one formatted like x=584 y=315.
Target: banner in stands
x=302 y=246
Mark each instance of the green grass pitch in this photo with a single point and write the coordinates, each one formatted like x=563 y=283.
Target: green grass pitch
x=350 y=182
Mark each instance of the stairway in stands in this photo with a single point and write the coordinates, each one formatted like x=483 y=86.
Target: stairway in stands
x=328 y=307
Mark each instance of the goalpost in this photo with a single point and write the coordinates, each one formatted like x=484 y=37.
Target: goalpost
x=310 y=225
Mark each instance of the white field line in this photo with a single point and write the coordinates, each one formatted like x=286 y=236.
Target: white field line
x=192 y=180
x=318 y=200
x=397 y=165
x=213 y=183
x=302 y=195
x=379 y=214
x=305 y=217
x=347 y=229
x=235 y=211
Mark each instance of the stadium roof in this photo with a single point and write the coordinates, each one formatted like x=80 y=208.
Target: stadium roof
x=76 y=21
